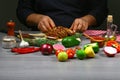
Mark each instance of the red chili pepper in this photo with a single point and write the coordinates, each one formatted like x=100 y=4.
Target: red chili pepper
x=118 y=48
x=25 y=50
x=111 y=43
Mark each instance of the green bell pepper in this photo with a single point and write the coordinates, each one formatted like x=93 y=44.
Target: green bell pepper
x=94 y=46
x=70 y=41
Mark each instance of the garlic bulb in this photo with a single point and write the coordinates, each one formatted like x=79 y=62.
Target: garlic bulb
x=23 y=44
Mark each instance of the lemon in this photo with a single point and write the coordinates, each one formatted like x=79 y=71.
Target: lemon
x=62 y=56
x=89 y=52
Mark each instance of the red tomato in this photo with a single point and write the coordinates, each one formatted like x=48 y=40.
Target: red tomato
x=71 y=56
x=70 y=53
x=58 y=51
x=70 y=50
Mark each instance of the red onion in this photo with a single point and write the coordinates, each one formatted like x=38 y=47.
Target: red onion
x=46 y=49
x=110 y=51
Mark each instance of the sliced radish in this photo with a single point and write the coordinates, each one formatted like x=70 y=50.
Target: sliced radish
x=110 y=51
x=58 y=46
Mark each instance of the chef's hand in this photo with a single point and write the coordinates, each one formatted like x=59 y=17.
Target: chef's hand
x=79 y=25
x=45 y=23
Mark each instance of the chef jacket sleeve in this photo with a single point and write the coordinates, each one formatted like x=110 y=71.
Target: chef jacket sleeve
x=99 y=10
x=24 y=8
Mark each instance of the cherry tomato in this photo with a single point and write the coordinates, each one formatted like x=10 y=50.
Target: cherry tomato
x=58 y=51
x=70 y=53
x=71 y=56
x=70 y=50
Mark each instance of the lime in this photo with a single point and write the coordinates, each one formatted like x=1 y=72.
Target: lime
x=80 y=54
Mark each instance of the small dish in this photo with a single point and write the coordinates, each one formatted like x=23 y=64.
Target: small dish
x=99 y=40
x=95 y=32
x=9 y=42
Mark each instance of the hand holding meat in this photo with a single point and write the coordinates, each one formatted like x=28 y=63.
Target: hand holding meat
x=45 y=23
x=59 y=32
x=79 y=25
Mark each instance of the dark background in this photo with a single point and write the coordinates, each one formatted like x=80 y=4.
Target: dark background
x=8 y=12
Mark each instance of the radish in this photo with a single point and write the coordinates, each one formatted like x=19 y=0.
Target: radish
x=58 y=46
x=110 y=51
